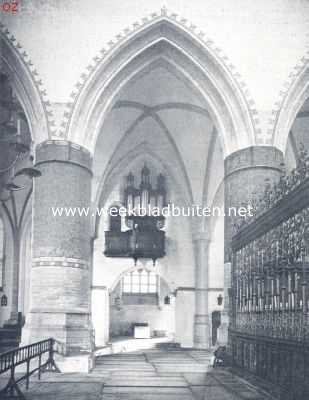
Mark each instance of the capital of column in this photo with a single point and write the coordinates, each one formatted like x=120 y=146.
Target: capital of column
x=265 y=157
x=201 y=319
x=199 y=236
x=63 y=151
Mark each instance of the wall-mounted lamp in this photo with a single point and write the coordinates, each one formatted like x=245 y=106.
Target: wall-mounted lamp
x=220 y=300
x=4 y=300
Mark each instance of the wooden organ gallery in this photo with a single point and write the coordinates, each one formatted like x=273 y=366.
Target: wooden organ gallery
x=269 y=331
x=143 y=237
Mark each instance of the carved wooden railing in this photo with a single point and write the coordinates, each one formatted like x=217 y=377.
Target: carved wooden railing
x=12 y=359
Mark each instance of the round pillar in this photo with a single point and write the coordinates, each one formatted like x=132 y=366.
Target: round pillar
x=201 y=317
x=245 y=173
x=61 y=248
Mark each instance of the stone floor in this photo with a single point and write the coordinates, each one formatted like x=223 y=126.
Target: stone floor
x=147 y=375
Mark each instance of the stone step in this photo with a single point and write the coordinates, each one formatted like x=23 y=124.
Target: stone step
x=180 y=368
x=178 y=362
x=121 y=356
x=130 y=373
x=147 y=396
x=168 y=346
x=147 y=382
x=124 y=368
x=153 y=390
x=121 y=368
x=123 y=362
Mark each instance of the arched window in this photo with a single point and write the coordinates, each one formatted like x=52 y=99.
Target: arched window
x=140 y=287
x=140 y=281
x=2 y=255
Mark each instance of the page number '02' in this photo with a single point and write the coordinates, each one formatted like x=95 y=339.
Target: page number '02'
x=9 y=7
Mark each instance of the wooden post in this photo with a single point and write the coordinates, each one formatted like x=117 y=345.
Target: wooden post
x=40 y=365
x=28 y=374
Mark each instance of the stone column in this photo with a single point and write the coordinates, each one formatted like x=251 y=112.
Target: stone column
x=61 y=249
x=201 y=317
x=15 y=278
x=245 y=174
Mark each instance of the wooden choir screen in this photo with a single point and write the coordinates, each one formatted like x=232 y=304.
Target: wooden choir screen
x=269 y=330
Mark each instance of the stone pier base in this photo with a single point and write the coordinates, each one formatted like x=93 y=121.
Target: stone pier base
x=81 y=363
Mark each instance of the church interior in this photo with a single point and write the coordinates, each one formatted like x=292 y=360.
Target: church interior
x=105 y=107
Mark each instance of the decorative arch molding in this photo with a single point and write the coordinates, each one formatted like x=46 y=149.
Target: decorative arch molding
x=117 y=167
x=293 y=96
x=226 y=96
x=293 y=145
x=26 y=85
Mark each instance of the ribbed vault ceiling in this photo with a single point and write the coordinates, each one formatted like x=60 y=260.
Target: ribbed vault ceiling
x=161 y=110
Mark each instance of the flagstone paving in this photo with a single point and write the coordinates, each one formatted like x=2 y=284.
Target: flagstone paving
x=147 y=375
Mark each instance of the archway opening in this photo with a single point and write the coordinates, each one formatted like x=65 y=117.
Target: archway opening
x=163 y=110
x=142 y=306
x=159 y=120
x=16 y=168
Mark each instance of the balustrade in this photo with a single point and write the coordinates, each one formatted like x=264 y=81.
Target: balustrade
x=12 y=359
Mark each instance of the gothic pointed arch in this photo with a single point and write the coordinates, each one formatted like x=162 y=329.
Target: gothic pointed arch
x=294 y=99
x=26 y=85
x=163 y=38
